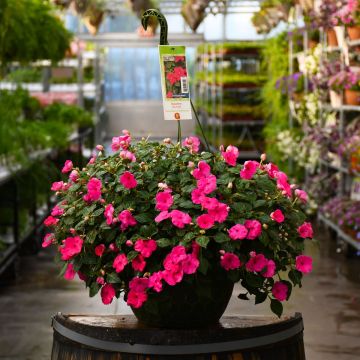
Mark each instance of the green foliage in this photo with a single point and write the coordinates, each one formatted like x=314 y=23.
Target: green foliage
x=231 y=77
x=156 y=163
x=29 y=31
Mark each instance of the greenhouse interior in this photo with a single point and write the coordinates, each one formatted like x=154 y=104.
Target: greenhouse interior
x=180 y=179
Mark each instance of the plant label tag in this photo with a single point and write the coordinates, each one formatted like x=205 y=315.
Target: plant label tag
x=355 y=189
x=174 y=83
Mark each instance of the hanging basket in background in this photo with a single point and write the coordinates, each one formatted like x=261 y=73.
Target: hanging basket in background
x=193 y=12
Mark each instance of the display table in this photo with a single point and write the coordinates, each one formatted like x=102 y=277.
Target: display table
x=110 y=337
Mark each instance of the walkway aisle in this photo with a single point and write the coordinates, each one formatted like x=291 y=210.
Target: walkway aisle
x=329 y=301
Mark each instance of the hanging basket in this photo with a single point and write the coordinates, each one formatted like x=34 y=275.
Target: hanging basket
x=93 y=19
x=353 y=32
x=193 y=12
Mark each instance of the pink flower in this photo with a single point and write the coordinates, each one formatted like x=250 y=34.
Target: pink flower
x=82 y=276
x=107 y=294
x=180 y=219
x=169 y=94
x=282 y=183
x=50 y=221
x=92 y=160
x=113 y=247
x=230 y=261
x=277 y=216
x=69 y=272
x=305 y=230
x=175 y=257
x=230 y=155
x=238 y=232
x=220 y=213
x=302 y=195
x=108 y=213
x=145 y=247
x=138 y=263
x=202 y=171
x=100 y=280
x=209 y=203
x=74 y=176
x=173 y=276
x=128 y=180
x=271 y=169
x=303 y=264
x=58 y=186
x=163 y=201
x=120 y=142
x=139 y=284
x=71 y=247
x=205 y=221
x=126 y=219
x=99 y=250
x=127 y=155
x=280 y=291
x=249 y=169
x=68 y=166
x=162 y=216
x=155 y=281
x=93 y=190
x=254 y=228
x=270 y=269
x=57 y=211
x=192 y=143
x=256 y=263
x=190 y=264
x=136 y=299
x=48 y=240
x=207 y=185
x=197 y=196
x=120 y=262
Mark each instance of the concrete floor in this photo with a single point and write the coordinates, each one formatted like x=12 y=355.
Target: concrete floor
x=329 y=302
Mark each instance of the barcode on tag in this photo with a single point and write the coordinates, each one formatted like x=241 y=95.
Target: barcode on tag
x=184 y=85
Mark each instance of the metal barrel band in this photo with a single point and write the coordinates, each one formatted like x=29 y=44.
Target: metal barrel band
x=176 y=349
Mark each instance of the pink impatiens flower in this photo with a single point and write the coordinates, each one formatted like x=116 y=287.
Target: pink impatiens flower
x=254 y=228
x=74 y=176
x=136 y=299
x=230 y=155
x=220 y=213
x=163 y=200
x=68 y=166
x=69 y=272
x=145 y=247
x=58 y=186
x=99 y=250
x=120 y=142
x=271 y=169
x=128 y=180
x=301 y=195
x=109 y=213
x=192 y=143
x=197 y=196
x=303 y=264
x=207 y=185
x=205 y=221
x=57 y=211
x=238 y=232
x=48 y=240
x=180 y=219
x=202 y=171
x=282 y=183
x=139 y=284
x=256 y=263
x=270 y=269
x=280 y=291
x=120 y=262
x=230 y=261
x=305 y=230
x=190 y=264
x=277 y=216
x=126 y=219
x=139 y=263
x=209 y=203
x=51 y=221
x=71 y=247
x=249 y=169
x=93 y=190
x=100 y=280
x=155 y=281
x=107 y=294
x=162 y=216
x=127 y=155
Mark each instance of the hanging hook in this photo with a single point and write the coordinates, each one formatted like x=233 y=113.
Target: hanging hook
x=163 y=24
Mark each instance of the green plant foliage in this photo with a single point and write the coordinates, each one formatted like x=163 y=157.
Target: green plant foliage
x=231 y=77
x=29 y=31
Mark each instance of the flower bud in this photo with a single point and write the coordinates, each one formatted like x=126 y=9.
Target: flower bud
x=191 y=164
x=230 y=185
x=129 y=243
x=99 y=147
x=126 y=132
x=222 y=252
x=202 y=232
x=162 y=186
x=221 y=148
x=263 y=157
x=102 y=272
x=72 y=231
x=293 y=186
x=167 y=141
x=265 y=226
x=86 y=218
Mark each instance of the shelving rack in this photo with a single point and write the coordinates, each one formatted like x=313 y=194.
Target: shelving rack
x=344 y=173
x=212 y=90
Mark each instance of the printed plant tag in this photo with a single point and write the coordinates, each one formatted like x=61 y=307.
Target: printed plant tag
x=174 y=83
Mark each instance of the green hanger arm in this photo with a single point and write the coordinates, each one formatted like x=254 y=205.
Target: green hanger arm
x=162 y=21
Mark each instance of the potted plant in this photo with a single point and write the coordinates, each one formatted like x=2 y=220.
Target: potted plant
x=345 y=81
x=173 y=229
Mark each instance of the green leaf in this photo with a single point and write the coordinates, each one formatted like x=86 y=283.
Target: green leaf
x=243 y=296
x=113 y=278
x=203 y=241
x=144 y=218
x=260 y=297
x=97 y=212
x=295 y=276
x=164 y=242
x=63 y=269
x=221 y=238
x=74 y=187
x=241 y=207
x=276 y=307
x=186 y=204
x=132 y=255
x=264 y=238
x=259 y=203
x=89 y=259
x=91 y=236
x=255 y=281
x=189 y=236
x=94 y=289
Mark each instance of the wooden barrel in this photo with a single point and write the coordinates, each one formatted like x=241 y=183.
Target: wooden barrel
x=115 y=337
